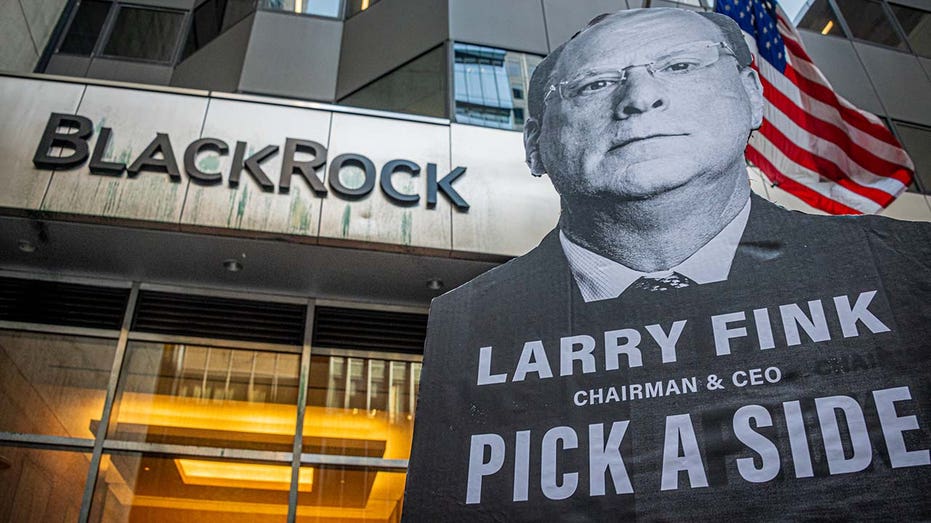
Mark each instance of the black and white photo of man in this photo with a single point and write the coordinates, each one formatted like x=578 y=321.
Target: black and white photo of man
x=649 y=172
x=677 y=348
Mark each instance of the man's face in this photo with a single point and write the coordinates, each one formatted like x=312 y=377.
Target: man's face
x=653 y=133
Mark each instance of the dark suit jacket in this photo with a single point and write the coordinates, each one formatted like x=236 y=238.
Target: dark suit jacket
x=784 y=258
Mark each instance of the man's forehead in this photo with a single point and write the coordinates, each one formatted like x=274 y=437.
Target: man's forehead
x=633 y=34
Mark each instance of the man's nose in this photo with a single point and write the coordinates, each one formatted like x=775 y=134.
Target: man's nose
x=640 y=93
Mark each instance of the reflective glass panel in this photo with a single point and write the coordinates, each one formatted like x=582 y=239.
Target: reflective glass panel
x=361 y=407
x=53 y=384
x=41 y=485
x=821 y=18
x=867 y=20
x=351 y=495
x=144 y=34
x=490 y=85
x=417 y=87
x=140 y=487
x=354 y=7
x=85 y=28
x=205 y=26
x=917 y=26
x=236 y=10
x=917 y=141
x=329 y=8
x=207 y=396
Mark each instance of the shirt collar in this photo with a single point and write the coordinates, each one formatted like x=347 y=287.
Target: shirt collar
x=599 y=278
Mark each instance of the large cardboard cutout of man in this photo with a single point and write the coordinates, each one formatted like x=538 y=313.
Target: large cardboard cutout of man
x=677 y=348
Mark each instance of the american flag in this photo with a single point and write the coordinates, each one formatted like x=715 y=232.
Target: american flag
x=813 y=143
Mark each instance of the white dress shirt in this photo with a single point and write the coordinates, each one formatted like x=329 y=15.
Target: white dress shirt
x=599 y=278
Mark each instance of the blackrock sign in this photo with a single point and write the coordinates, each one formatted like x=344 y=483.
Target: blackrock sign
x=159 y=156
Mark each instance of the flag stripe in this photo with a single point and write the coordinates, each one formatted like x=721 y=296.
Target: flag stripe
x=821 y=165
x=827 y=140
x=776 y=86
x=853 y=117
x=800 y=190
x=790 y=176
x=812 y=141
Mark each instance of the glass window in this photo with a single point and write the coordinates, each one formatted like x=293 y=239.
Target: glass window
x=207 y=396
x=52 y=384
x=212 y=18
x=821 y=18
x=358 y=494
x=354 y=7
x=417 y=87
x=361 y=407
x=917 y=26
x=917 y=141
x=328 y=8
x=141 y=487
x=358 y=407
x=235 y=11
x=85 y=27
x=144 y=34
x=867 y=20
x=489 y=85
x=206 y=25
x=41 y=485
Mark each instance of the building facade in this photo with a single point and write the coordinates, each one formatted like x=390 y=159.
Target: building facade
x=222 y=223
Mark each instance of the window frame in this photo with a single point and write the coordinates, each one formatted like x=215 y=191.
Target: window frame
x=103 y=28
x=901 y=29
x=177 y=48
x=340 y=12
x=893 y=23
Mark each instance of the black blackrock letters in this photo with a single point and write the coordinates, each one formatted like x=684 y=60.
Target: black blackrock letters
x=159 y=156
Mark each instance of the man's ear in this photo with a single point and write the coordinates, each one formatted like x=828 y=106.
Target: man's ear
x=532 y=147
x=754 y=89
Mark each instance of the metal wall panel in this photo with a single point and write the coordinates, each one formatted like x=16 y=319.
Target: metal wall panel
x=68 y=65
x=839 y=62
x=25 y=105
x=18 y=52
x=295 y=56
x=42 y=15
x=247 y=206
x=129 y=71
x=374 y=218
x=516 y=25
x=565 y=17
x=386 y=35
x=900 y=81
x=512 y=210
x=926 y=64
x=136 y=117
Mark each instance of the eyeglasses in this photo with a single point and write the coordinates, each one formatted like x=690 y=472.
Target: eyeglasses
x=681 y=62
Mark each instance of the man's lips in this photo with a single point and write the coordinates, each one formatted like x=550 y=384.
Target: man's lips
x=635 y=139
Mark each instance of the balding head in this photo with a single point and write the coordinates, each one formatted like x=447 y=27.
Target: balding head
x=542 y=76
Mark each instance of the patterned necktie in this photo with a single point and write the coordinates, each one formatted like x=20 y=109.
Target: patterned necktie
x=673 y=281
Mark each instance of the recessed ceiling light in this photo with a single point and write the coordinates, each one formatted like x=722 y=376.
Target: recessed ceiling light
x=232 y=265
x=434 y=284
x=27 y=246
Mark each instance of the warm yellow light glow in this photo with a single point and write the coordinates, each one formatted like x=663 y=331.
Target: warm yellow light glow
x=269 y=418
x=298 y=6
x=365 y=5
x=827 y=27
x=242 y=475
